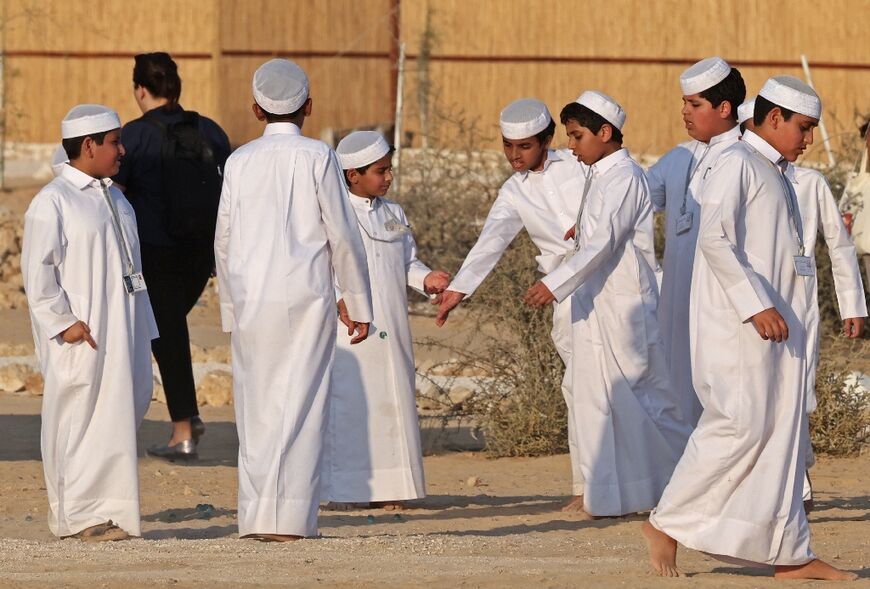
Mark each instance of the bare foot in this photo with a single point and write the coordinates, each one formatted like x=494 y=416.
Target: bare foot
x=809 y=505
x=662 y=551
x=273 y=537
x=574 y=504
x=389 y=505
x=338 y=506
x=815 y=569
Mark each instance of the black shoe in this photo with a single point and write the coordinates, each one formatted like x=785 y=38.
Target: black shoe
x=197 y=427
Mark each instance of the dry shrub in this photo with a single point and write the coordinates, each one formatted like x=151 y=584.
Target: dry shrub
x=841 y=423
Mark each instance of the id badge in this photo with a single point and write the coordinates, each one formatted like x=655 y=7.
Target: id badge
x=134 y=283
x=804 y=266
x=392 y=227
x=684 y=222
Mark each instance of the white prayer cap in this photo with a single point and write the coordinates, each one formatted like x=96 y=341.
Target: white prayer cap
x=88 y=119
x=280 y=86
x=523 y=118
x=58 y=159
x=604 y=105
x=703 y=75
x=745 y=111
x=789 y=92
x=361 y=148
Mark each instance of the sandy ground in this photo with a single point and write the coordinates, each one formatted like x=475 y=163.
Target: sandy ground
x=486 y=523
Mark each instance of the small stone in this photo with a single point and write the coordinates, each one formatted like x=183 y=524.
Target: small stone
x=157 y=473
x=472 y=482
x=28 y=518
x=173 y=473
x=460 y=395
x=370 y=519
x=188 y=491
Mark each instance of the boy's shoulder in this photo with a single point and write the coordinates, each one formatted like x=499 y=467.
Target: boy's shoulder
x=49 y=195
x=678 y=154
x=282 y=142
x=809 y=175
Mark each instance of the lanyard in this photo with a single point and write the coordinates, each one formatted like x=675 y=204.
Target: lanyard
x=792 y=209
x=119 y=231
x=690 y=174
x=582 y=206
x=392 y=225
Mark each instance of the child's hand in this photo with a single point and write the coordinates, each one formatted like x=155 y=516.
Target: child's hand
x=446 y=302
x=770 y=325
x=853 y=326
x=570 y=233
x=361 y=328
x=78 y=331
x=436 y=281
x=538 y=295
x=344 y=316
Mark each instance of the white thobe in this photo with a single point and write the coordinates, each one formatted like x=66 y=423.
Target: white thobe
x=737 y=491
x=284 y=223
x=546 y=204
x=630 y=434
x=73 y=264
x=373 y=450
x=678 y=175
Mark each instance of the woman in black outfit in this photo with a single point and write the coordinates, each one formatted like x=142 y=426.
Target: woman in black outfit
x=176 y=236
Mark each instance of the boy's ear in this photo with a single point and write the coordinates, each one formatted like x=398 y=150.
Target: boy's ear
x=605 y=133
x=88 y=144
x=352 y=176
x=258 y=112
x=308 y=104
x=724 y=109
x=774 y=117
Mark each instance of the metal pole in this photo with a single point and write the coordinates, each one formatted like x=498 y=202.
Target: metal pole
x=825 y=138
x=397 y=126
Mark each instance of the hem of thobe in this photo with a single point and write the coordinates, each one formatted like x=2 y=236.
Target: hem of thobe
x=633 y=497
x=285 y=517
x=124 y=513
x=737 y=559
x=386 y=484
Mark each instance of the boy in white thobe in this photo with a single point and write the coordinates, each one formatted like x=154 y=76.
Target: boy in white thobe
x=737 y=490
x=712 y=91
x=630 y=434
x=373 y=452
x=543 y=196
x=92 y=326
x=284 y=226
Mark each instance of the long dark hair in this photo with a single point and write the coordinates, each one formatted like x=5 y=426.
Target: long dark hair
x=158 y=73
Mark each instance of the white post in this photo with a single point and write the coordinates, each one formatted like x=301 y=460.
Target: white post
x=397 y=126
x=825 y=138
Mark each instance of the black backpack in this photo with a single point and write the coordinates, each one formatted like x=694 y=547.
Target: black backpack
x=191 y=179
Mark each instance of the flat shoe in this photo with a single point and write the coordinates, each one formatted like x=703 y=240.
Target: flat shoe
x=273 y=537
x=197 y=428
x=107 y=532
x=185 y=450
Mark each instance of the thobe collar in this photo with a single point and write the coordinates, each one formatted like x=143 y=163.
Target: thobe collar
x=731 y=134
x=607 y=162
x=552 y=156
x=81 y=180
x=363 y=203
x=764 y=148
x=282 y=128
x=790 y=173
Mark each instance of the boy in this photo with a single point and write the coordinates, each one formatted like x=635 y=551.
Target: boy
x=712 y=91
x=543 y=196
x=629 y=432
x=736 y=492
x=92 y=327
x=373 y=452
x=284 y=226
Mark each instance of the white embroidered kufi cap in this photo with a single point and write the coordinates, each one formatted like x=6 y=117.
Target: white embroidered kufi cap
x=745 y=111
x=524 y=118
x=361 y=148
x=793 y=94
x=58 y=159
x=88 y=119
x=280 y=87
x=603 y=105
x=703 y=75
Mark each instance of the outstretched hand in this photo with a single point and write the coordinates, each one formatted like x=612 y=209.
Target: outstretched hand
x=446 y=302
x=436 y=282
x=770 y=325
x=538 y=295
x=77 y=332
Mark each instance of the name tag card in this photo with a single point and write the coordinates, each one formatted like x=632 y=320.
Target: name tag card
x=134 y=283
x=804 y=266
x=684 y=222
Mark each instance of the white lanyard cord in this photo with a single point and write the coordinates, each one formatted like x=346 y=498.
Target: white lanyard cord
x=789 y=201
x=690 y=174
x=582 y=206
x=119 y=230
x=402 y=228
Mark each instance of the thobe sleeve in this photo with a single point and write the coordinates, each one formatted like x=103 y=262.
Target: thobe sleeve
x=844 y=259
x=622 y=198
x=42 y=252
x=502 y=225
x=345 y=242
x=417 y=270
x=655 y=177
x=221 y=249
x=717 y=239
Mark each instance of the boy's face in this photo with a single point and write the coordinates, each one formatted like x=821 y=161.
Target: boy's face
x=104 y=160
x=525 y=154
x=375 y=181
x=587 y=147
x=703 y=121
x=791 y=137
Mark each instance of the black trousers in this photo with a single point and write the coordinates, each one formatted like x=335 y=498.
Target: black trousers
x=175 y=278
